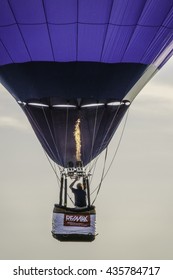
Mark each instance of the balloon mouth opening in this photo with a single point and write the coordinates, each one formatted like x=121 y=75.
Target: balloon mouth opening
x=89 y=105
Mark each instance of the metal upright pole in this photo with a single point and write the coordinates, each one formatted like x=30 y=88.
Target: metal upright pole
x=88 y=191
x=61 y=190
x=65 y=192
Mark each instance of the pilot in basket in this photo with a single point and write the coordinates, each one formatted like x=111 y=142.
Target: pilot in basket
x=74 y=223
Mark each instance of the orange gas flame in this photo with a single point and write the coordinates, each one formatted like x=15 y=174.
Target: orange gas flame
x=77 y=136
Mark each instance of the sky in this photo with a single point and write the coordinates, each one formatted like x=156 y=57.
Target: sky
x=135 y=203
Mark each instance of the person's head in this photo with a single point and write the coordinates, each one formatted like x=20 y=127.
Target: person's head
x=79 y=186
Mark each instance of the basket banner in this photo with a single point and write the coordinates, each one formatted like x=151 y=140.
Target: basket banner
x=79 y=220
x=73 y=223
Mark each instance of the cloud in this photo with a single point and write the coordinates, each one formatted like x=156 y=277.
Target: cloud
x=9 y=122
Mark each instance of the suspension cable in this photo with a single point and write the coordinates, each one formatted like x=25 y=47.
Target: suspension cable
x=53 y=167
x=93 y=166
x=104 y=174
x=57 y=177
x=110 y=125
x=115 y=153
x=121 y=136
x=102 y=177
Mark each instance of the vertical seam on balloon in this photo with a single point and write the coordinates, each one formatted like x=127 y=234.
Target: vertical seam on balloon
x=135 y=26
x=94 y=133
x=51 y=133
x=48 y=30
x=7 y=51
x=110 y=126
x=20 y=30
x=82 y=141
x=112 y=32
x=77 y=29
x=96 y=157
x=38 y=129
x=167 y=57
x=160 y=27
x=105 y=35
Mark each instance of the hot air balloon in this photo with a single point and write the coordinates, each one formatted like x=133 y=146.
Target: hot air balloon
x=74 y=67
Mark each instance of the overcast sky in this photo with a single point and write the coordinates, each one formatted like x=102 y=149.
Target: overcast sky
x=135 y=204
